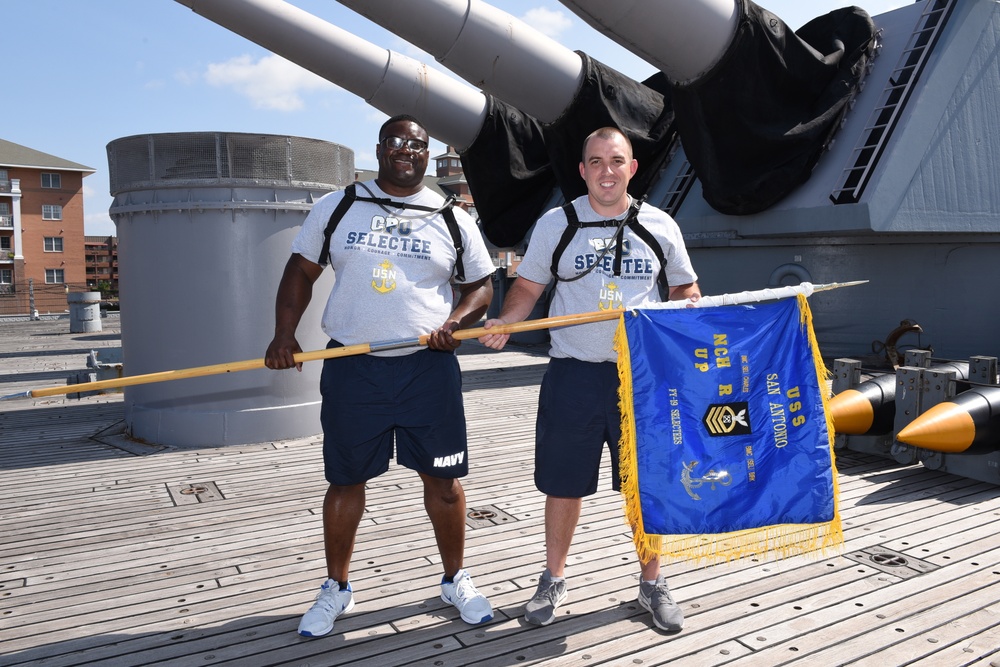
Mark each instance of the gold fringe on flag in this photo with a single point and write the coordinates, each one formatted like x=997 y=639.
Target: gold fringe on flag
x=780 y=540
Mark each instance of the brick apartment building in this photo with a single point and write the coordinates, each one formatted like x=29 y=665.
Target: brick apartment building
x=41 y=230
x=101 y=257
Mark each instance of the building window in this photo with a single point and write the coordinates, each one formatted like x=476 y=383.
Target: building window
x=51 y=212
x=54 y=277
x=4 y=243
x=53 y=244
x=6 y=277
x=455 y=163
x=4 y=208
x=51 y=181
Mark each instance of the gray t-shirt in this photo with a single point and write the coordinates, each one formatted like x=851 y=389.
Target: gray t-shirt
x=393 y=271
x=601 y=289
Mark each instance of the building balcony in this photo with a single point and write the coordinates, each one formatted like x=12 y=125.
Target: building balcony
x=6 y=222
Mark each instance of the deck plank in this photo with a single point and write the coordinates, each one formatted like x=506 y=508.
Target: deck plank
x=104 y=562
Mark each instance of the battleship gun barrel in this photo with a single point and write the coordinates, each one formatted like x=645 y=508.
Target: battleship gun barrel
x=392 y=83
x=684 y=40
x=487 y=47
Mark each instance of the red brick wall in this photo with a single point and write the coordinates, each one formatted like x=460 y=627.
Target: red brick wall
x=34 y=229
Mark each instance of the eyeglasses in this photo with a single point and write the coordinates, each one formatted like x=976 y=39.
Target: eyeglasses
x=413 y=145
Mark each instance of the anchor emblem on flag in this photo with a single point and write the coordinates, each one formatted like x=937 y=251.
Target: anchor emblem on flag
x=711 y=478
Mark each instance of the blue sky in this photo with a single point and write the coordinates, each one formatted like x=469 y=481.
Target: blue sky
x=80 y=74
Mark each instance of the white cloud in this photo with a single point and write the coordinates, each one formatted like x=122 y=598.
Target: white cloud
x=187 y=77
x=269 y=83
x=548 y=22
x=99 y=224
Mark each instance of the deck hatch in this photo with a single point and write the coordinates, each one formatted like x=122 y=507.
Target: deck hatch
x=486 y=516
x=891 y=562
x=194 y=493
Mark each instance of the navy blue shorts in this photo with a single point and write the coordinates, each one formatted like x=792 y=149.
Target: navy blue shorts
x=370 y=403
x=577 y=415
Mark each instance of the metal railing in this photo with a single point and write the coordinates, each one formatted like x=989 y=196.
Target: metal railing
x=24 y=299
x=893 y=99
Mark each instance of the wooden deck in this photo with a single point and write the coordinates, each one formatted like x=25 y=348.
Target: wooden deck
x=105 y=561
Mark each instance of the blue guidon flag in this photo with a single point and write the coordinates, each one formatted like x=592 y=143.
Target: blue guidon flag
x=726 y=447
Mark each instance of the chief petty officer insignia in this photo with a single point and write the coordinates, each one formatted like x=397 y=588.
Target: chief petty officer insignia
x=727 y=419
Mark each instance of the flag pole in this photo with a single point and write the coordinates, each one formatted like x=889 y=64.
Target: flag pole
x=329 y=353
x=461 y=334
x=756 y=296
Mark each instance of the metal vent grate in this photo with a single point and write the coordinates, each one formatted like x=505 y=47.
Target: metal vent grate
x=229 y=158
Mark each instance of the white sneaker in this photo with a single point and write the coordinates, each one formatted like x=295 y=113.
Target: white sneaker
x=330 y=603
x=472 y=604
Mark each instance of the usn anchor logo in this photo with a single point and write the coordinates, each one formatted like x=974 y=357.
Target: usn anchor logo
x=727 y=419
x=384 y=273
x=711 y=478
x=612 y=295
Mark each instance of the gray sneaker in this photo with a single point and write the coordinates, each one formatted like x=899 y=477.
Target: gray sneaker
x=541 y=608
x=656 y=599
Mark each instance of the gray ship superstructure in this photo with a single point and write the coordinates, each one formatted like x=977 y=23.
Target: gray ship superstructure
x=855 y=148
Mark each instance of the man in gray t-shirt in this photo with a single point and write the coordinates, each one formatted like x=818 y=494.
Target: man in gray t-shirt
x=605 y=265
x=395 y=260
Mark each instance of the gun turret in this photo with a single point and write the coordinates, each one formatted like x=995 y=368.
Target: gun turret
x=754 y=102
x=542 y=100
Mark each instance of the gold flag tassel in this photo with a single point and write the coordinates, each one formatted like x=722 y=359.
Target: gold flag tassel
x=647 y=546
x=833 y=536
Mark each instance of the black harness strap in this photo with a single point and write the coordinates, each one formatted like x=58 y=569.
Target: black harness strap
x=351 y=196
x=456 y=238
x=648 y=238
x=631 y=221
